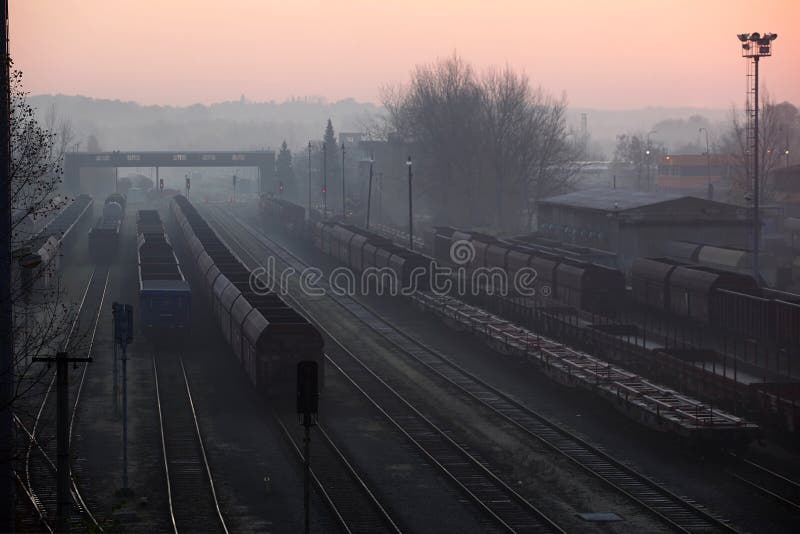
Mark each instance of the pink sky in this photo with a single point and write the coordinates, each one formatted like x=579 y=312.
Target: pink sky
x=603 y=54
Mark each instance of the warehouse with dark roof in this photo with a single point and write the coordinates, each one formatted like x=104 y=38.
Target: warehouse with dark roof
x=633 y=224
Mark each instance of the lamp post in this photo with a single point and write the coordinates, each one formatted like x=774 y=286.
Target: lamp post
x=410 y=207
x=647 y=152
x=786 y=148
x=708 y=164
x=344 y=206
x=324 y=181
x=756 y=46
x=369 y=189
x=309 y=179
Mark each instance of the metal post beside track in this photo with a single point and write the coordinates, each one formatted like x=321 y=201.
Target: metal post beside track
x=63 y=495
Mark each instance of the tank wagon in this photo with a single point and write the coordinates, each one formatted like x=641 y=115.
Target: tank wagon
x=46 y=246
x=267 y=335
x=165 y=298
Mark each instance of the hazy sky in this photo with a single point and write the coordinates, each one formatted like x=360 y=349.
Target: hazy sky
x=602 y=53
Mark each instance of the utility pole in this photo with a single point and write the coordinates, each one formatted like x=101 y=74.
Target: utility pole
x=708 y=165
x=64 y=496
x=344 y=205
x=309 y=180
x=324 y=181
x=369 y=190
x=410 y=208
x=7 y=489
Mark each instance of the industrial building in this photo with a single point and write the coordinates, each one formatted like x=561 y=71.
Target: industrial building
x=632 y=224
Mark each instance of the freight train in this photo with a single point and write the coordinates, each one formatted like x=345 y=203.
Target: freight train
x=267 y=335
x=165 y=299
x=727 y=301
x=39 y=258
x=104 y=235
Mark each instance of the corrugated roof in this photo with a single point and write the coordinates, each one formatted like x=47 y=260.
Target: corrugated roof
x=610 y=199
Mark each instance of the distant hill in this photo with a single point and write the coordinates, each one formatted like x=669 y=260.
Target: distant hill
x=248 y=125
x=224 y=125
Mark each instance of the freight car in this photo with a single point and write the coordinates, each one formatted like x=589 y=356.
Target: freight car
x=104 y=235
x=267 y=335
x=395 y=268
x=558 y=278
x=46 y=246
x=728 y=301
x=292 y=218
x=165 y=299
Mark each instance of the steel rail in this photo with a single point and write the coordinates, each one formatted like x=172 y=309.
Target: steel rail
x=788 y=485
x=203 y=458
x=638 y=487
x=358 y=481
x=33 y=441
x=481 y=479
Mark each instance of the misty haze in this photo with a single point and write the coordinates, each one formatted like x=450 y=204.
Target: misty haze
x=400 y=267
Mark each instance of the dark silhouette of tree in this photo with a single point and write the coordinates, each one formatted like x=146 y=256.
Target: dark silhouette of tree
x=42 y=317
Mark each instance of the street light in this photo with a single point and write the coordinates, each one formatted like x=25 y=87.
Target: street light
x=410 y=207
x=324 y=181
x=708 y=164
x=754 y=47
x=369 y=189
x=647 y=153
x=309 y=179
x=344 y=208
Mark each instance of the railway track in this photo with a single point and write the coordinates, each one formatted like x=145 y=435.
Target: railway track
x=192 y=497
x=771 y=484
x=355 y=507
x=504 y=507
x=38 y=478
x=678 y=512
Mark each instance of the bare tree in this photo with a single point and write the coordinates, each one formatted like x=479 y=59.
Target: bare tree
x=778 y=129
x=41 y=317
x=486 y=145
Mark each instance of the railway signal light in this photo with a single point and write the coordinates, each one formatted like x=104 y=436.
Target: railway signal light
x=161 y=184
x=188 y=183
x=281 y=187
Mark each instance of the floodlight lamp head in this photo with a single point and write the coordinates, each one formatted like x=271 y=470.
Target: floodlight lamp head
x=755 y=36
x=743 y=37
x=773 y=36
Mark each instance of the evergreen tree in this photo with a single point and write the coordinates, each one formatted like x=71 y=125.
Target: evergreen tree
x=334 y=155
x=284 y=170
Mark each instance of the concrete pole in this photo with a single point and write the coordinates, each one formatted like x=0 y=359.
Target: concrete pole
x=7 y=488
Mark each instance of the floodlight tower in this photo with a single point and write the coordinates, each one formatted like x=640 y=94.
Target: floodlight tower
x=754 y=47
